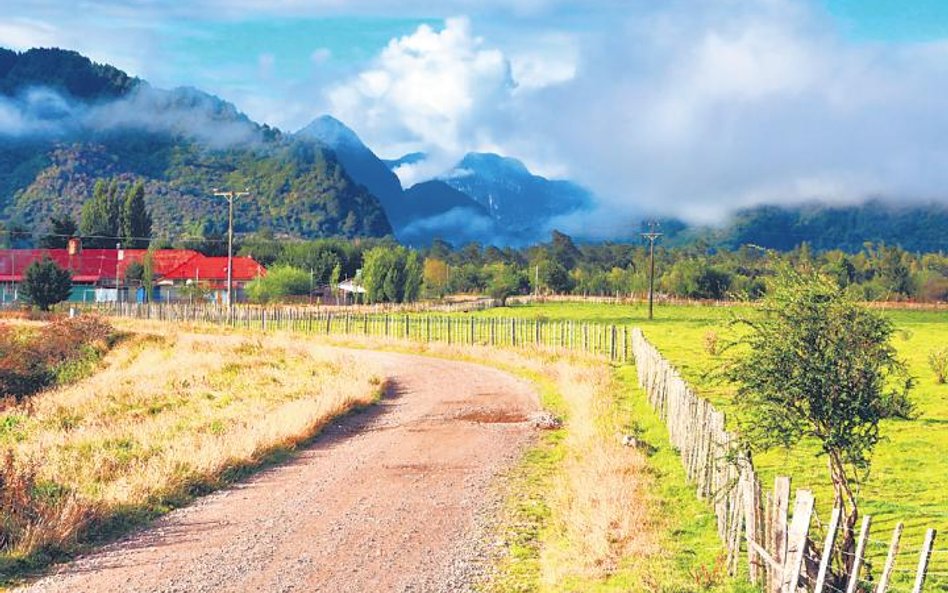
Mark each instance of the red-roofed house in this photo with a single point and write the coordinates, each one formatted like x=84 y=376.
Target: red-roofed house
x=98 y=275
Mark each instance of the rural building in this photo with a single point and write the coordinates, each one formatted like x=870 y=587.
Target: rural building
x=100 y=275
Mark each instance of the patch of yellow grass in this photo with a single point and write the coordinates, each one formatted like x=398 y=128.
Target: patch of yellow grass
x=600 y=505
x=174 y=409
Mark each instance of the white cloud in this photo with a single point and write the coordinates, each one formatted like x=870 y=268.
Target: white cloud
x=445 y=92
x=696 y=112
x=431 y=88
x=22 y=34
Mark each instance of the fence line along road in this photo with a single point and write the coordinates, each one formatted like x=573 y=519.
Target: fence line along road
x=760 y=535
x=594 y=338
x=776 y=547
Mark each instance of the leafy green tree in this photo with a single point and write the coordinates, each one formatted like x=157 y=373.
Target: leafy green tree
x=391 y=274
x=61 y=228
x=99 y=224
x=136 y=220
x=279 y=282
x=505 y=281
x=819 y=367
x=45 y=284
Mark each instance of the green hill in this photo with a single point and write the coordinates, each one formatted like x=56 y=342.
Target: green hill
x=77 y=122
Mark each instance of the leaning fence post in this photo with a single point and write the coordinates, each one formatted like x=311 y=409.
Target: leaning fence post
x=860 y=553
x=796 y=540
x=923 y=559
x=827 y=549
x=890 y=559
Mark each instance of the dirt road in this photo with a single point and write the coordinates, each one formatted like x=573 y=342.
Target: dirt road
x=388 y=499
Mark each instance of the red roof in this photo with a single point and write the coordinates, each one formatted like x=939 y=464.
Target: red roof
x=204 y=268
x=96 y=265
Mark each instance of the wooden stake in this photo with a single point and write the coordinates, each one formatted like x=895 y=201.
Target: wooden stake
x=860 y=553
x=923 y=559
x=796 y=540
x=828 y=544
x=890 y=559
x=779 y=527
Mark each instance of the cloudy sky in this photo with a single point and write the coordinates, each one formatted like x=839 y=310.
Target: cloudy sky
x=691 y=108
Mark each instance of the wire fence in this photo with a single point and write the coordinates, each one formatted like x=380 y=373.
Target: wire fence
x=778 y=546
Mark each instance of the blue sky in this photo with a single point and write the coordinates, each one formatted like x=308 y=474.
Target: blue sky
x=679 y=105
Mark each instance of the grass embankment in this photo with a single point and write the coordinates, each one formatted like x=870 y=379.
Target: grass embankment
x=35 y=356
x=172 y=414
x=583 y=512
x=908 y=480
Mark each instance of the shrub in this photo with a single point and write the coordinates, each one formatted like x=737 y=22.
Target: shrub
x=31 y=360
x=938 y=361
x=280 y=282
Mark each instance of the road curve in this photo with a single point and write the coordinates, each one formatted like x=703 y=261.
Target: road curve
x=387 y=499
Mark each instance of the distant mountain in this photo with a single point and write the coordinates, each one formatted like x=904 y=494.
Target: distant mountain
x=412 y=208
x=514 y=197
x=70 y=122
x=435 y=209
x=520 y=203
x=360 y=162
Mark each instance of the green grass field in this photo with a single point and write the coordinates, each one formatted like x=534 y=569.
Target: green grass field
x=909 y=479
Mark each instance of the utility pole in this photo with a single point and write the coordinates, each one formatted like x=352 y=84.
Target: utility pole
x=230 y=196
x=651 y=235
x=118 y=259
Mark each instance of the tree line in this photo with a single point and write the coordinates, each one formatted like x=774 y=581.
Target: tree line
x=561 y=266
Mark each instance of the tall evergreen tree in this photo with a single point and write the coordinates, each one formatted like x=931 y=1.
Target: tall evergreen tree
x=45 y=284
x=136 y=220
x=100 y=220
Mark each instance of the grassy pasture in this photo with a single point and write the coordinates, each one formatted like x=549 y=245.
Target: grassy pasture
x=909 y=479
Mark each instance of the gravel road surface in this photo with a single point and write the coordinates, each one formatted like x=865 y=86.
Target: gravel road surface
x=392 y=498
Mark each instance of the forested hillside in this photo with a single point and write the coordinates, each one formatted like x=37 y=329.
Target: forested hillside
x=74 y=122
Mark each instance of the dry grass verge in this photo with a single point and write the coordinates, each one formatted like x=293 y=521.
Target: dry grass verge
x=601 y=508
x=172 y=414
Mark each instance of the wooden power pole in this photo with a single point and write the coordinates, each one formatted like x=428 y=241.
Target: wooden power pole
x=652 y=236
x=230 y=196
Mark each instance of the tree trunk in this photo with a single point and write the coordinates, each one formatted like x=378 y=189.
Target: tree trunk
x=844 y=555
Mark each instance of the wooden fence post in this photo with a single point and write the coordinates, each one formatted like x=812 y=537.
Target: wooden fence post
x=797 y=540
x=923 y=559
x=828 y=544
x=859 y=558
x=779 y=526
x=890 y=559
x=751 y=499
